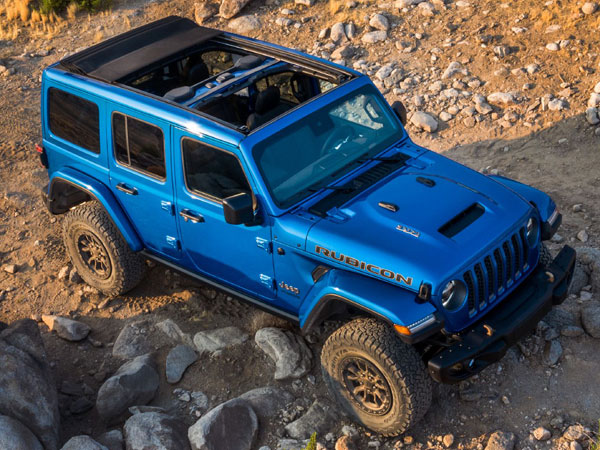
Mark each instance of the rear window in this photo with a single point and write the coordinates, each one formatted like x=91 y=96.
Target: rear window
x=139 y=145
x=74 y=119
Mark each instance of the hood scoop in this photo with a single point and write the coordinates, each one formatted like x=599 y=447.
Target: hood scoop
x=352 y=188
x=462 y=220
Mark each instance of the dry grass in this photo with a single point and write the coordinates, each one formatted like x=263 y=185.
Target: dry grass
x=98 y=36
x=72 y=10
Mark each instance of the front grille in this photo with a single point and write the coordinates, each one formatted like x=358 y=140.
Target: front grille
x=497 y=271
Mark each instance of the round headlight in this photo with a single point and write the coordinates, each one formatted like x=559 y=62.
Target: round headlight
x=453 y=295
x=532 y=232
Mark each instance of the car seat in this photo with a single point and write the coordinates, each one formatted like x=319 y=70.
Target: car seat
x=267 y=107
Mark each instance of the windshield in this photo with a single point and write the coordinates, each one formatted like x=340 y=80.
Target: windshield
x=323 y=146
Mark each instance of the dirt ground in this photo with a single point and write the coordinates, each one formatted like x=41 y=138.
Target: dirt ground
x=556 y=151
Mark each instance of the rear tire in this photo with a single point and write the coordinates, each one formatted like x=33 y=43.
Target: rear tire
x=98 y=251
x=378 y=379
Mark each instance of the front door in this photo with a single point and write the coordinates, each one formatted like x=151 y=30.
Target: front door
x=237 y=255
x=141 y=178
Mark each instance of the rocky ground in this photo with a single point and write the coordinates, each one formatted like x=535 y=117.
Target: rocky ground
x=509 y=88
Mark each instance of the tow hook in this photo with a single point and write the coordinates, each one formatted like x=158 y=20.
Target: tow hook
x=550 y=276
x=488 y=330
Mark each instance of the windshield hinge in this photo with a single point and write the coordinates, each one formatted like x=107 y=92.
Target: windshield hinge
x=264 y=244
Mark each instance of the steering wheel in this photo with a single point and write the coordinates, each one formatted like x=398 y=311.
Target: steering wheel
x=338 y=138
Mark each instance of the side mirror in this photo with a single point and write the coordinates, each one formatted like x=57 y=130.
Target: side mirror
x=238 y=209
x=400 y=111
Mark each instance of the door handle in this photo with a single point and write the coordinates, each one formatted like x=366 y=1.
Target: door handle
x=192 y=217
x=124 y=188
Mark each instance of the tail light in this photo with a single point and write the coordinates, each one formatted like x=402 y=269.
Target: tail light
x=43 y=156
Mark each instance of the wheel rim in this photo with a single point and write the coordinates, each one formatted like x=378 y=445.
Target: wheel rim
x=366 y=386
x=94 y=255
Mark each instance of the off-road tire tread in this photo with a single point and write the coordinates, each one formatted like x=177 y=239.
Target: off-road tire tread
x=129 y=267
x=545 y=255
x=401 y=360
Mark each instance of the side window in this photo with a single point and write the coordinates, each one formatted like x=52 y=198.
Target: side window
x=74 y=119
x=212 y=172
x=139 y=145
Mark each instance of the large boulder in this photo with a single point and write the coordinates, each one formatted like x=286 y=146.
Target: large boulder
x=16 y=436
x=289 y=351
x=231 y=425
x=318 y=418
x=230 y=8
x=133 y=340
x=590 y=317
x=135 y=383
x=214 y=341
x=113 y=440
x=267 y=401
x=27 y=390
x=83 y=443
x=156 y=431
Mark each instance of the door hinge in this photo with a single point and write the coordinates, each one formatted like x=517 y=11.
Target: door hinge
x=264 y=244
x=267 y=281
x=173 y=242
x=167 y=206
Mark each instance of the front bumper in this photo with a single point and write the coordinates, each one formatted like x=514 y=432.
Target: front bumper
x=488 y=340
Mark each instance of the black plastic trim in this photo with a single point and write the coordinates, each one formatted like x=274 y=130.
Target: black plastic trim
x=548 y=230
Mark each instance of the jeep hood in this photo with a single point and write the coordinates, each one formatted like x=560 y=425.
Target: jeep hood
x=447 y=216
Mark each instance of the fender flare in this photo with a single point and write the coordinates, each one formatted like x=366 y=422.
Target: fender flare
x=391 y=304
x=99 y=192
x=542 y=201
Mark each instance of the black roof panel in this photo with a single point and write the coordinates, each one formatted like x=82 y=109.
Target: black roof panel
x=126 y=53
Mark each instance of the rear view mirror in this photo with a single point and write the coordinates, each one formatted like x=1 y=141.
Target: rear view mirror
x=238 y=209
x=400 y=111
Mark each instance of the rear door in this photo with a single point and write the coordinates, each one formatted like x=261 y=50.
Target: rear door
x=237 y=255
x=141 y=177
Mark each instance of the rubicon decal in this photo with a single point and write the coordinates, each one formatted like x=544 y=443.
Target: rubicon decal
x=371 y=268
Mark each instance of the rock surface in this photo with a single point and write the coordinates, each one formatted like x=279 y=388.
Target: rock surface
x=231 y=425
x=317 y=419
x=27 y=390
x=135 y=383
x=292 y=356
x=113 y=440
x=178 y=360
x=245 y=24
x=230 y=8
x=155 y=431
x=16 y=436
x=590 y=317
x=132 y=341
x=267 y=401
x=68 y=329
x=501 y=440
x=213 y=341
x=424 y=121
x=83 y=443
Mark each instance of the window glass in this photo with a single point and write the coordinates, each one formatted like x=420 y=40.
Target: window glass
x=139 y=145
x=212 y=172
x=74 y=119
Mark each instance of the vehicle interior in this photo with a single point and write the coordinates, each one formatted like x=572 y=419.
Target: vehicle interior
x=258 y=88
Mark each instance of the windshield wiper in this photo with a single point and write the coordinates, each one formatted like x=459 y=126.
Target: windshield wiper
x=400 y=157
x=344 y=189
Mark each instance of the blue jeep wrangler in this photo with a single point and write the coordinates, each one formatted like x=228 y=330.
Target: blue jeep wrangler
x=289 y=182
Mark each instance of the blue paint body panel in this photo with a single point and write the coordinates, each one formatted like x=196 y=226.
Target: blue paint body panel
x=378 y=259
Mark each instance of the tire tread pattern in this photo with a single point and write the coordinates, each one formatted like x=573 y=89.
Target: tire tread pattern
x=402 y=362
x=128 y=267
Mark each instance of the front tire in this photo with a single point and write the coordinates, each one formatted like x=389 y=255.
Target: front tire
x=98 y=251
x=378 y=379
